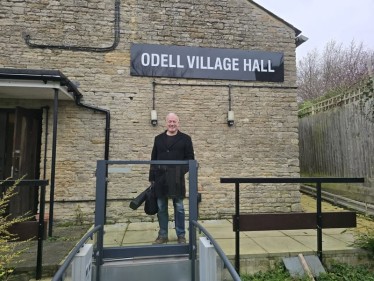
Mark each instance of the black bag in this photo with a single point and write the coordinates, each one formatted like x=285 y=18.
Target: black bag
x=138 y=201
x=150 y=207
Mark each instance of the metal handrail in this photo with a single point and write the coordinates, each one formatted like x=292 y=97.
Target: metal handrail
x=318 y=181
x=219 y=251
x=72 y=254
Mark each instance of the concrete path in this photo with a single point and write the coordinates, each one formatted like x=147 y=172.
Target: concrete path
x=252 y=242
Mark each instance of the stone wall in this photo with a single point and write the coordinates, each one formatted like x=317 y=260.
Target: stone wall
x=262 y=143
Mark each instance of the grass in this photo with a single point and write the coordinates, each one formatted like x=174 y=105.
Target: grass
x=65 y=224
x=60 y=238
x=278 y=274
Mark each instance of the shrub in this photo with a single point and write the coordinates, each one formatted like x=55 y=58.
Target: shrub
x=9 y=249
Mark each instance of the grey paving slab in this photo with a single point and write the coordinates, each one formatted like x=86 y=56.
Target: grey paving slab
x=328 y=243
x=336 y=231
x=136 y=237
x=148 y=241
x=116 y=227
x=251 y=242
x=247 y=246
x=219 y=233
x=143 y=226
x=299 y=232
x=281 y=244
x=223 y=224
x=346 y=238
x=296 y=269
x=113 y=238
x=253 y=234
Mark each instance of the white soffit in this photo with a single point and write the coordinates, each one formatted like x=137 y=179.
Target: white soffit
x=32 y=89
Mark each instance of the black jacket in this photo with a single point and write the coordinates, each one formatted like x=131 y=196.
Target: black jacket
x=169 y=179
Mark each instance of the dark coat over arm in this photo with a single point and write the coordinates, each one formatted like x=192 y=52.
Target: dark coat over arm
x=169 y=179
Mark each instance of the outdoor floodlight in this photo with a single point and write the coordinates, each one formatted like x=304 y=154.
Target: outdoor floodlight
x=154 y=117
x=230 y=118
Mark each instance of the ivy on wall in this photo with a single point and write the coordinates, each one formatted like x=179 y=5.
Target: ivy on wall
x=368 y=97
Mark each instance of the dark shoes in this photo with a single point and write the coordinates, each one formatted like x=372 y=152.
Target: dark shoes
x=181 y=240
x=160 y=240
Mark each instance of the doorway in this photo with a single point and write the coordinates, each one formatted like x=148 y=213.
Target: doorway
x=20 y=144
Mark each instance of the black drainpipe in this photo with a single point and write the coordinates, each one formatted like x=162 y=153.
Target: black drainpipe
x=107 y=133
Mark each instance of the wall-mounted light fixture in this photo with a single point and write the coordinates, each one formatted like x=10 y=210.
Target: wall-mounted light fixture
x=153 y=111
x=154 y=117
x=230 y=114
x=230 y=118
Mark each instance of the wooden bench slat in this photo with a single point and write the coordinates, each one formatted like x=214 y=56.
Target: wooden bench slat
x=287 y=221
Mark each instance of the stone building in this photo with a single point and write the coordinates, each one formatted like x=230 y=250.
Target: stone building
x=86 y=50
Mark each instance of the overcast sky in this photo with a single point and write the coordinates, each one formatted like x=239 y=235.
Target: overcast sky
x=323 y=20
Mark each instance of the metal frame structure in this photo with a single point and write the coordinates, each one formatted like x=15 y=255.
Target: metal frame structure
x=151 y=250
x=318 y=182
x=219 y=251
x=59 y=276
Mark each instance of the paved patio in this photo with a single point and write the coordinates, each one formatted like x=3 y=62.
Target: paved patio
x=251 y=242
x=259 y=249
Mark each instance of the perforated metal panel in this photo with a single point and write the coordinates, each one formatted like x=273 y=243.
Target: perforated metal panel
x=152 y=269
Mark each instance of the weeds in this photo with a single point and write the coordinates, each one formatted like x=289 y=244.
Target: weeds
x=79 y=216
x=277 y=274
x=60 y=238
x=344 y=272
x=65 y=224
x=338 y=272
x=9 y=252
x=364 y=239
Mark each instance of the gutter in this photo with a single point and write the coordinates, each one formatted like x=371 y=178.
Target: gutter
x=56 y=75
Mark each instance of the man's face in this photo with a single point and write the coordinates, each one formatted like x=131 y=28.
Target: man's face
x=172 y=124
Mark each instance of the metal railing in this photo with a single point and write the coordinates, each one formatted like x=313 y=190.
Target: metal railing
x=219 y=251
x=107 y=253
x=59 y=276
x=317 y=181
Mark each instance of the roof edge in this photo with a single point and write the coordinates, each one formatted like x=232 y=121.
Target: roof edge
x=297 y=31
x=39 y=74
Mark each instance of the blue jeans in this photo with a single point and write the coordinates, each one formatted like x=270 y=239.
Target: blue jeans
x=163 y=216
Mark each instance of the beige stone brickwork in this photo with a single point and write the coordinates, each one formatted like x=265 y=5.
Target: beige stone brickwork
x=262 y=143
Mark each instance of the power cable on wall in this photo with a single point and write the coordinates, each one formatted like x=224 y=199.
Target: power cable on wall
x=230 y=113
x=86 y=49
x=226 y=85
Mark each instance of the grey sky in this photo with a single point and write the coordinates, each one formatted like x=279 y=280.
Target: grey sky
x=323 y=20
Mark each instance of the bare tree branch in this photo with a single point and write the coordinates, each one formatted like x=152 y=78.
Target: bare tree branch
x=336 y=69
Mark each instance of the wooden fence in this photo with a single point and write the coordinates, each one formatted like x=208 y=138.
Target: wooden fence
x=339 y=142
x=351 y=96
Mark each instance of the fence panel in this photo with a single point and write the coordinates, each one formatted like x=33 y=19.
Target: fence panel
x=339 y=143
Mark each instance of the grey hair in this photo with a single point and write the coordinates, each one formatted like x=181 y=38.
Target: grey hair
x=171 y=113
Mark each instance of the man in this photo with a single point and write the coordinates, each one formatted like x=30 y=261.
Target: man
x=169 y=179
